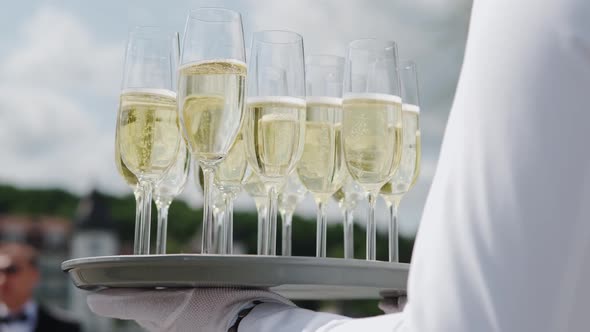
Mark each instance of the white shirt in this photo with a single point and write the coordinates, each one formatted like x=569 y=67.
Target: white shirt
x=504 y=243
x=29 y=325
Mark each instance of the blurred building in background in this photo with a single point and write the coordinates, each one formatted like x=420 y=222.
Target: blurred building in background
x=94 y=235
x=91 y=233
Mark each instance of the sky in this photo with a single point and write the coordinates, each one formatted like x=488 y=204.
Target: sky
x=61 y=68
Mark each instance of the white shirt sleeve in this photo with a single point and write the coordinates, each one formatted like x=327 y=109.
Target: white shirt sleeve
x=504 y=243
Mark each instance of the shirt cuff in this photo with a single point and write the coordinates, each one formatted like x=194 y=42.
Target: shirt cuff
x=272 y=317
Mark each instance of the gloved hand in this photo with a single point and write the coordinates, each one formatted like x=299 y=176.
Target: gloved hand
x=179 y=310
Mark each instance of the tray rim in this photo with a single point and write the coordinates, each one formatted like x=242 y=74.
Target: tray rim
x=93 y=273
x=174 y=258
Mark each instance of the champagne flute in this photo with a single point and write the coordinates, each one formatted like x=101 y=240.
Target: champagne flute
x=148 y=136
x=256 y=189
x=321 y=168
x=275 y=117
x=290 y=196
x=372 y=120
x=406 y=175
x=347 y=197
x=229 y=177
x=166 y=190
x=211 y=90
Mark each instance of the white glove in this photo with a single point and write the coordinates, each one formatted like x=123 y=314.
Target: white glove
x=179 y=310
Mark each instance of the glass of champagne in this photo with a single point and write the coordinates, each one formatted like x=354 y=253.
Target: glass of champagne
x=211 y=88
x=230 y=175
x=321 y=168
x=347 y=197
x=148 y=136
x=372 y=120
x=290 y=196
x=407 y=173
x=256 y=189
x=275 y=117
x=166 y=190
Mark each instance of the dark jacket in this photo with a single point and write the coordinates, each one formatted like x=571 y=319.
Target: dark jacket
x=52 y=321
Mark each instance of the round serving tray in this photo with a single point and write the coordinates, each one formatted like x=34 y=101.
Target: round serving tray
x=296 y=278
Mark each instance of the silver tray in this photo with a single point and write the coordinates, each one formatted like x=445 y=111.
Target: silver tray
x=297 y=278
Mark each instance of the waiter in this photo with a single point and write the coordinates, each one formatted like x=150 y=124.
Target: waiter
x=504 y=243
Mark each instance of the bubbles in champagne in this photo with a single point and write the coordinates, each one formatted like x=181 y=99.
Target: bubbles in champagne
x=406 y=174
x=321 y=168
x=372 y=135
x=127 y=175
x=148 y=131
x=211 y=95
x=275 y=129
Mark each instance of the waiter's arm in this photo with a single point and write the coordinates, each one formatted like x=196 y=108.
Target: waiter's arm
x=504 y=243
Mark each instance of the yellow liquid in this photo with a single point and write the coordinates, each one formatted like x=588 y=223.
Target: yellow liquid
x=231 y=171
x=322 y=168
x=372 y=133
x=418 y=159
x=407 y=173
x=127 y=175
x=148 y=132
x=211 y=96
x=256 y=189
x=275 y=132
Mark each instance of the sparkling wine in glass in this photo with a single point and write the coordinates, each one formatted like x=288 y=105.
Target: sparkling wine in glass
x=372 y=120
x=275 y=117
x=148 y=136
x=322 y=169
x=212 y=77
x=407 y=173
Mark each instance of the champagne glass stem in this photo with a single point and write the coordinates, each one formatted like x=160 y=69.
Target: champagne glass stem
x=261 y=248
x=146 y=217
x=287 y=219
x=138 y=219
x=219 y=231
x=208 y=231
x=271 y=220
x=322 y=225
x=229 y=223
x=162 y=228
x=371 y=227
x=393 y=231
x=348 y=233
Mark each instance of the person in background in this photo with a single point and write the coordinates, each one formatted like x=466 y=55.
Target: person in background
x=19 y=312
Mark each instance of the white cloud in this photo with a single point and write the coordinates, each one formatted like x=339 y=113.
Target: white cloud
x=58 y=51
x=50 y=136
